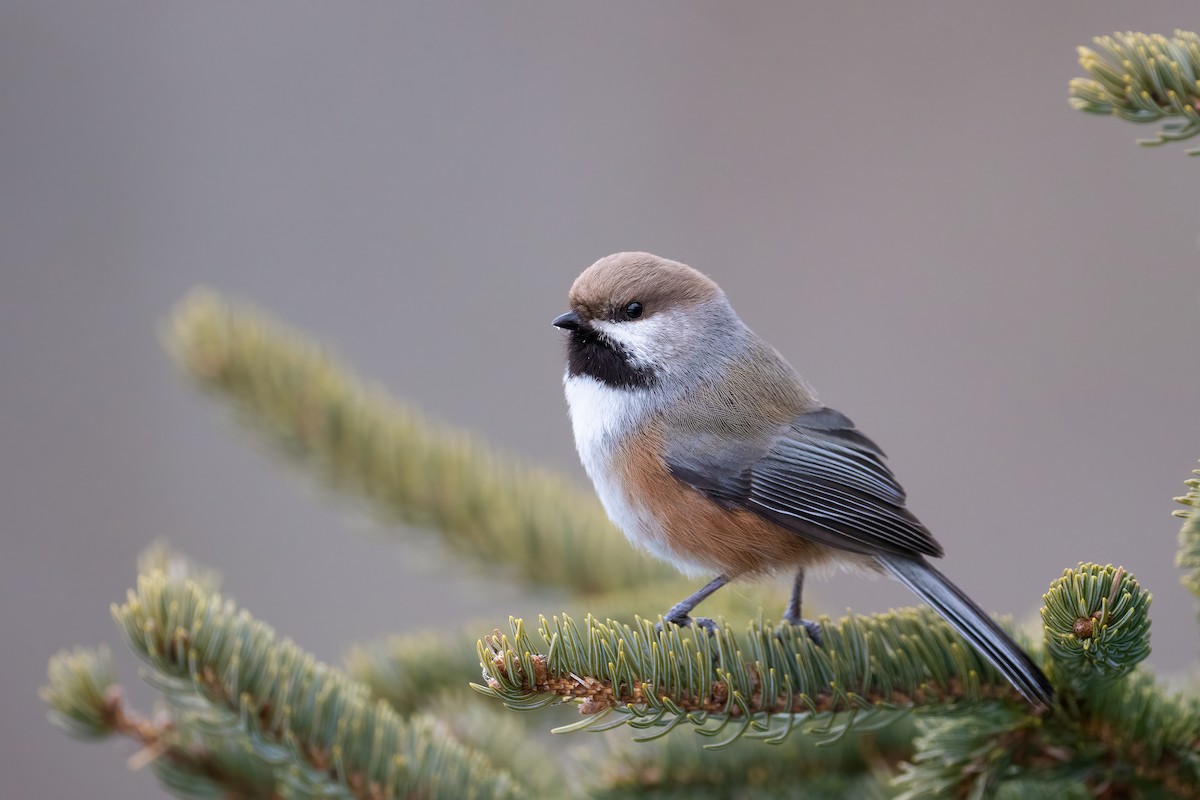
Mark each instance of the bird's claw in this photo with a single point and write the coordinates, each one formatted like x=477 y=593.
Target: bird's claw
x=811 y=628
x=688 y=622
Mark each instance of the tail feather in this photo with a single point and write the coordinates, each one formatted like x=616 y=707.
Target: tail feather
x=973 y=624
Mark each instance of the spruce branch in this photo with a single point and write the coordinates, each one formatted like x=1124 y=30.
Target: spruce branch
x=430 y=673
x=159 y=556
x=1143 y=78
x=1131 y=741
x=1188 y=557
x=80 y=692
x=299 y=727
x=196 y=752
x=764 y=684
x=757 y=784
x=1119 y=732
x=858 y=764
x=357 y=440
x=958 y=756
x=506 y=739
x=1140 y=736
x=1037 y=787
x=1097 y=625
x=410 y=671
x=413 y=671
x=85 y=701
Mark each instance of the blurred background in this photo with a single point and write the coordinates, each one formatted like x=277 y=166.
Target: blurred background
x=1001 y=291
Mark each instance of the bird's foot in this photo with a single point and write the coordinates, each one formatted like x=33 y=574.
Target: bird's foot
x=687 y=622
x=812 y=628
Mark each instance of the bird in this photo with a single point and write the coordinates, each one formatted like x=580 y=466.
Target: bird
x=710 y=451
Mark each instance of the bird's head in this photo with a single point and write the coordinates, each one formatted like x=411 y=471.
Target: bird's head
x=637 y=319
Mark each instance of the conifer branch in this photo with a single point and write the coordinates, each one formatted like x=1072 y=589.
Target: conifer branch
x=208 y=651
x=858 y=764
x=182 y=750
x=1130 y=740
x=177 y=567
x=959 y=756
x=253 y=716
x=1137 y=734
x=1143 y=78
x=1188 y=557
x=356 y=439
x=762 y=685
x=1097 y=625
x=431 y=673
x=506 y=739
x=192 y=757
x=1116 y=727
x=413 y=671
x=80 y=692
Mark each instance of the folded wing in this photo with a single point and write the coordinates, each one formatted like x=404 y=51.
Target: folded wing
x=819 y=477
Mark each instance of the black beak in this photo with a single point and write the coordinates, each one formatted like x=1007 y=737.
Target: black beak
x=569 y=321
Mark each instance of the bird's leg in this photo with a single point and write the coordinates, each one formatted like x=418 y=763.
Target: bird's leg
x=679 y=613
x=792 y=615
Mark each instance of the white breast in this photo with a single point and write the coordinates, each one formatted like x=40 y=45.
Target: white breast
x=602 y=417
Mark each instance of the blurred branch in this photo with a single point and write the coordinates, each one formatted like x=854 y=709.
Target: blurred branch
x=1138 y=734
x=358 y=440
x=858 y=764
x=506 y=739
x=184 y=752
x=194 y=763
x=431 y=673
x=252 y=716
x=82 y=693
x=177 y=567
x=1143 y=78
x=1188 y=557
x=411 y=672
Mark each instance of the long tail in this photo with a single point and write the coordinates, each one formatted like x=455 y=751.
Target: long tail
x=973 y=624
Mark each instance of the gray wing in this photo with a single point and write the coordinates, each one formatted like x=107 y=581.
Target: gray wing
x=819 y=477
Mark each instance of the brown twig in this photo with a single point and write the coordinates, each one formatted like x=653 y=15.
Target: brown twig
x=154 y=738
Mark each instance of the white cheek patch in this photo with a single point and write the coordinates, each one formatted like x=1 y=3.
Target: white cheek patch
x=649 y=342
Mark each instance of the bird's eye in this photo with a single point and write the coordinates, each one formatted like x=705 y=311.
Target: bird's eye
x=633 y=310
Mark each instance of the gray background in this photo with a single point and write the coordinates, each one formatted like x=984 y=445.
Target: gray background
x=1002 y=291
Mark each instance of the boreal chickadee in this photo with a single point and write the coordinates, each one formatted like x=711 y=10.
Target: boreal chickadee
x=709 y=450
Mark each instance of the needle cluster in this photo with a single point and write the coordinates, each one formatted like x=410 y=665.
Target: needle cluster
x=1143 y=78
